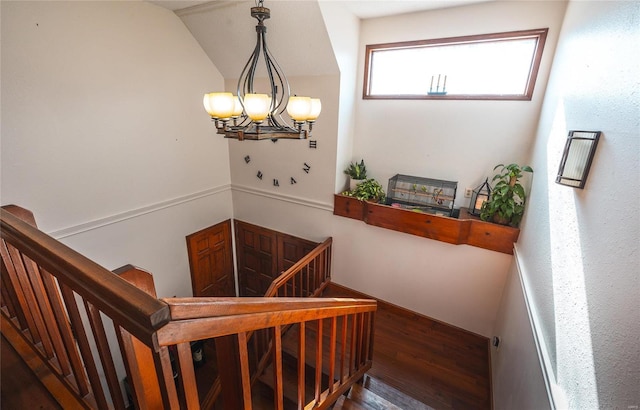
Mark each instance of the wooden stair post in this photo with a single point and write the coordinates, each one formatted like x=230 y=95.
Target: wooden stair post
x=139 y=358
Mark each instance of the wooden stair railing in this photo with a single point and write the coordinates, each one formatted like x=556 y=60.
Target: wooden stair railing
x=49 y=291
x=307 y=277
x=348 y=323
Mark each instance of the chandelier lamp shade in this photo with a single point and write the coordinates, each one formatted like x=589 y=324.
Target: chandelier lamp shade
x=252 y=115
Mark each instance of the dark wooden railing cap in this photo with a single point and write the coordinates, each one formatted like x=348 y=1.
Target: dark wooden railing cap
x=141 y=314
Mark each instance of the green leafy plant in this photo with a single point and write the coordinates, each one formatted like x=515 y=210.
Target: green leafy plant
x=506 y=203
x=357 y=170
x=368 y=190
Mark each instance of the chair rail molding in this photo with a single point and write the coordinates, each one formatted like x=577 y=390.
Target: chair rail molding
x=557 y=398
x=324 y=206
x=134 y=213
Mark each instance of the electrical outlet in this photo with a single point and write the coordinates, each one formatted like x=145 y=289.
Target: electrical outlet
x=468 y=192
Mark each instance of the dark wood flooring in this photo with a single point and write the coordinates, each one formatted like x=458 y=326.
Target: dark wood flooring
x=439 y=365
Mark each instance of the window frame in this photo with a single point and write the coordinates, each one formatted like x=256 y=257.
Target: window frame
x=539 y=34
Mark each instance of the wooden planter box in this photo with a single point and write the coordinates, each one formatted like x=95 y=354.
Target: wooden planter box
x=348 y=207
x=468 y=229
x=440 y=228
x=492 y=236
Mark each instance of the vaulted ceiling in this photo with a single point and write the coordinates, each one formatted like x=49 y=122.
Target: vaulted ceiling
x=296 y=34
x=361 y=8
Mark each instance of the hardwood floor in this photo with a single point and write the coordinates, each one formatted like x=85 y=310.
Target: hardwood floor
x=437 y=364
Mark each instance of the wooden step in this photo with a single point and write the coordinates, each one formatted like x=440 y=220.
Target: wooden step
x=374 y=394
x=344 y=403
x=359 y=398
x=393 y=395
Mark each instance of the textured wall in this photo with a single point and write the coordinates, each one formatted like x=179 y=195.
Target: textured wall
x=581 y=248
x=518 y=381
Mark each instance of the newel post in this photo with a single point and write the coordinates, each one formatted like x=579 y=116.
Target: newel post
x=139 y=360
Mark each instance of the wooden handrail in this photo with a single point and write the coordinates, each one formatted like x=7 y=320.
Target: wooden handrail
x=306 y=278
x=180 y=331
x=298 y=267
x=49 y=292
x=206 y=307
x=88 y=279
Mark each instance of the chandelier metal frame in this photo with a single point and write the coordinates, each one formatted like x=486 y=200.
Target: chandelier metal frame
x=273 y=127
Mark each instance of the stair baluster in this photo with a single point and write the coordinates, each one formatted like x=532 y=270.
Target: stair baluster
x=42 y=280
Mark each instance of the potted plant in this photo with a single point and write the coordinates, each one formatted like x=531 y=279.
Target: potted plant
x=505 y=206
x=368 y=190
x=357 y=172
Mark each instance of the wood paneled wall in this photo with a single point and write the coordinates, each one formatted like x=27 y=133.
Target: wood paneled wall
x=263 y=254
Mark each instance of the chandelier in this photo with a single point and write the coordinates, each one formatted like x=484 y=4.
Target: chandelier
x=255 y=116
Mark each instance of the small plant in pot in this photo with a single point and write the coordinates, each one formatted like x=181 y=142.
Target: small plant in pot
x=506 y=203
x=368 y=190
x=357 y=172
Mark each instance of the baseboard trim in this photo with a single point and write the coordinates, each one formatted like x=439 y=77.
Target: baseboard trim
x=401 y=310
x=554 y=393
x=134 y=213
x=404 y=312
x=285 y=198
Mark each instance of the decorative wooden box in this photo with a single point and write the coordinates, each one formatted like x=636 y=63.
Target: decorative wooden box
x=434 y=196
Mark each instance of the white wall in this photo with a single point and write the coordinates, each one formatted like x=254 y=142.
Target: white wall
x=580 y=249
x=518 y=381
x=460 y=285
x=343 y=29
x=297 y=39
x=285 y=159
x=104 y=136
x=452 y=140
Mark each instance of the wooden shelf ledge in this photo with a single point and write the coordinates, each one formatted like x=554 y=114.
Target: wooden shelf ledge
x=467 y=229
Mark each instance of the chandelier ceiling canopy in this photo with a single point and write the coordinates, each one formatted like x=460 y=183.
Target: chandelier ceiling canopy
x=253 y=115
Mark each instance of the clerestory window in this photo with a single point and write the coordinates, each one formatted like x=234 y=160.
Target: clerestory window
x=498 y=66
